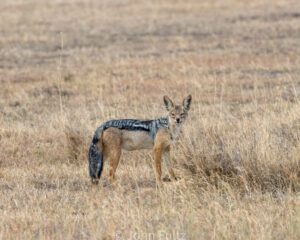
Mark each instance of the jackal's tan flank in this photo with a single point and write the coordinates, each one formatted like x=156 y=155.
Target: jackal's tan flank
x=131 y=134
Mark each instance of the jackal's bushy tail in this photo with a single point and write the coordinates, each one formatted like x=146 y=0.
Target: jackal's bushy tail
x=96 y=156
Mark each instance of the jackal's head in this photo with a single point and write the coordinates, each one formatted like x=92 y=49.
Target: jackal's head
x=177 y=113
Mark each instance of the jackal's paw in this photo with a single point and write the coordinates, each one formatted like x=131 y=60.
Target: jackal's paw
x=167 y=179
x=175 y=178
x=95 y=181
x=171 y=179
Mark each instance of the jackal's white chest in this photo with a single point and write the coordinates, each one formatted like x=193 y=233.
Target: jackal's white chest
x=175 y=132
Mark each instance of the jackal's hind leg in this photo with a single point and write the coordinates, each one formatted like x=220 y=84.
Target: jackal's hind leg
x=112 y=150
x=114 y=162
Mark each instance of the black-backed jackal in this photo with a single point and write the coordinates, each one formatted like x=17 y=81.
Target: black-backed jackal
x=130 y=134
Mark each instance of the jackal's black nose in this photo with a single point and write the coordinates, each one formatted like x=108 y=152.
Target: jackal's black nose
x=178 y=120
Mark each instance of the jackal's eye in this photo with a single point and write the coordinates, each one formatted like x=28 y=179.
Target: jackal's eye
x=172 y=115
x=182 y=115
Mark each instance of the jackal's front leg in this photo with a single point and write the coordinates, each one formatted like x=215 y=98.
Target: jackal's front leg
x=161 y=143
x=157 y=158
x=167 y=158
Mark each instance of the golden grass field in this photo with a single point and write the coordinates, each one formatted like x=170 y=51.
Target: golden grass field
x=67 y=66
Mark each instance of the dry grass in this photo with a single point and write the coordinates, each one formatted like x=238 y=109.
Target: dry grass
x=67 y=66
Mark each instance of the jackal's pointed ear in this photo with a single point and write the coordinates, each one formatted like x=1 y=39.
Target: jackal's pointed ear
x=187 y=102
x=168 y=103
